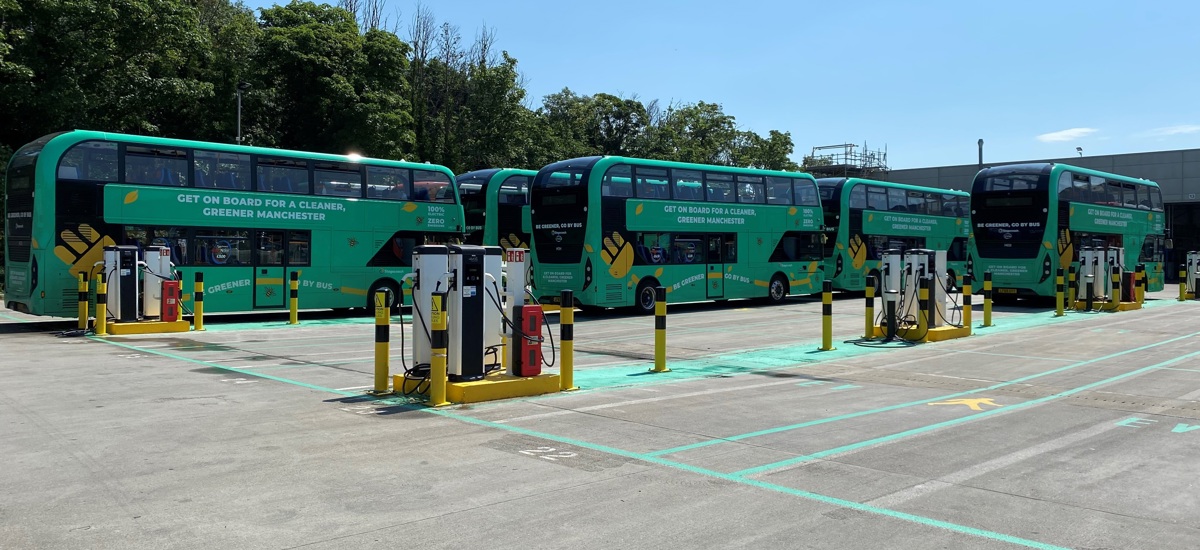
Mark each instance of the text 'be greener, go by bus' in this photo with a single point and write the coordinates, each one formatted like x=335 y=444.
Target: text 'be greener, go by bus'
x=611 y=229
x=246 y=217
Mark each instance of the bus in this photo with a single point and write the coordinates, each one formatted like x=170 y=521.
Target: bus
x=1031 y=219
x=495 y=203
x=246 y=217
x=611 y=229
x=865 y=217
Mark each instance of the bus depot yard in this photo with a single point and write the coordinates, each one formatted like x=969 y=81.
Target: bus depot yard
x=1041 y=431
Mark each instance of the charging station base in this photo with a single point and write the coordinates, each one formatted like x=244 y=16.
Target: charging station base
x=499 y=385
x=932 y=335
x=148 y=327
x=1105 y=306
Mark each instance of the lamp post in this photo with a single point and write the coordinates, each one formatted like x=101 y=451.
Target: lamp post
x=1079 y=150
x=981 y=153
x=241 y=87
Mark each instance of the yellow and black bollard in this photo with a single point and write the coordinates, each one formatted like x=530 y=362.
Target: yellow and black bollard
x=294 y=300
x=198 y=302
x=923 y=304
x=439 y=340
x=383 y=326
x=1059 y=293
x=966 y=307
x=1139 y=279
x=1071 y=286
x=826 y=316
x=987 y=298
x=1114 y=299
x=101 y=305
x=83 y=300
x=566 y=337
x=869 y=326
x=1183 y=285
x=660 y=330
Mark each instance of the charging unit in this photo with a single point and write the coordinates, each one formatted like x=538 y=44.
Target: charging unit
x=516 y=277
x=919 y=265
x=1093 y=277
x=526 y=358
x=157 y=270
x=473 y=306
x=430 y=274
x=1193 y=271
x=124 y=282
x=892 y=262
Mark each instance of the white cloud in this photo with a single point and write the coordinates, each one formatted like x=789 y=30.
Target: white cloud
x=1172 y=130
x=1067 y=135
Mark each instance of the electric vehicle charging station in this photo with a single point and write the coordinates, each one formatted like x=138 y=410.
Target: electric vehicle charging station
x=1094 y=282
x=891 y=285
x=143 y=291
x=921 y=265
x=157 y=270
x=1193 y=271
x=124 y=284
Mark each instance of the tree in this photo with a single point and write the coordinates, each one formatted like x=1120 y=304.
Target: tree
x=771 y=153
x=699 y=132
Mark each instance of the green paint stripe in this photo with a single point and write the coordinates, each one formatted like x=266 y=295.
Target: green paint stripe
x=976 y=416
x=1185 y=370
x=832 y=501
x=223 y=367
x=17 y=319
x=848 y=416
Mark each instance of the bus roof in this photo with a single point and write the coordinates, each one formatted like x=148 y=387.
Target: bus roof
x=840 y=182
x=606 y=161
x=1047 y=167
x=65 y=140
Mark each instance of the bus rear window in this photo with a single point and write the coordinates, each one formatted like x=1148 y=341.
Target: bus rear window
x=90 y=160
x=430 y=186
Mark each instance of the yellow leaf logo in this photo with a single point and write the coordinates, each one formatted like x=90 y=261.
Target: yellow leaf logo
x=130 y=197
x=870 y=217
x=588 y=248
x=409 y=206
x=638 y=211
x=658 y=272
x=792 y=211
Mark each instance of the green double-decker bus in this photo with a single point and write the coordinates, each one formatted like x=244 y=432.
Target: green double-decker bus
x=611 y=229
x=865 y=217
x=245 y=217
x=495 y=203
x=1031 y=219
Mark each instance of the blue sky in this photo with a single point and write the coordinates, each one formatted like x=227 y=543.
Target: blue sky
x=925 y=79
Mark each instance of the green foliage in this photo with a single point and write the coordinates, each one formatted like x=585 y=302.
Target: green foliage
x=326 y=78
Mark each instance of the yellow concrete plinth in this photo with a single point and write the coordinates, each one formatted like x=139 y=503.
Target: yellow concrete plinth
x=1189 y=295
x=550 y=308
x=501 y=386
x=932 y=335
x=148 y=327
x=1129 y=306
x=1107 y=306
x=400 y=384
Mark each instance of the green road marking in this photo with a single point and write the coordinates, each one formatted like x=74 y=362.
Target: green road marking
x=1185 y=370
x=968 y=418
x=848 y=416
x=17 y=319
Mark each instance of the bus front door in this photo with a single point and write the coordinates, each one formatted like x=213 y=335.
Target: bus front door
x=269 y=287
x=716 y=267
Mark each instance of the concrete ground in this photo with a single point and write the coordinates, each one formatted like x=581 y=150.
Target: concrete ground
x=1041 y=432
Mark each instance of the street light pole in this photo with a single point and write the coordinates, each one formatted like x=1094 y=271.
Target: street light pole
x=981 y=153
x=241 y=87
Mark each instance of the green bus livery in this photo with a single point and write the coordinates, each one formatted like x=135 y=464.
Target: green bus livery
x=865 y=217
x=1031 y=219
x=612 y=228
x=247 y=217
x=495 y=203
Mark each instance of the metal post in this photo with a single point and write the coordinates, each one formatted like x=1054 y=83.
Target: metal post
x=1139 y=280
x=294 y=305
x=966 y=307
x=1059 y=293
x=1183 y=285
x=439 y=340
x=566 y=338
x=869 y=326
x=82 y=287
x=198 y=302
x=826 y=316
x=383 y=328
x=1114 y=300
x=923 y=304
x=101 y=305
x=1071 y=287
x=987 y=298
x=660 y=330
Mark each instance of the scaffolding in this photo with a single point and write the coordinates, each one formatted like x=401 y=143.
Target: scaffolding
x=846 y=160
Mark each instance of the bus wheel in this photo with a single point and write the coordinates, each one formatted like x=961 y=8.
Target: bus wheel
x=777 y=290
x=878 y=283
x=390 y=292
x=644 y=299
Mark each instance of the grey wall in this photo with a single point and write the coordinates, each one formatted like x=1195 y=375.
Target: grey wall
x=1176 y=172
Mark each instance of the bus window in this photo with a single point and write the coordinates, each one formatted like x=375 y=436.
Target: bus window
x=617 y=181
x=688 y=184
x=1113 y=193
x=719 y=187
x=876 y=198
x=730 y=248
x=90 y=160
x=897 y=200
x=270 y=248
x=806 y=193
x=397 y=250
x=916 y=202
x=750 y=190
x=933 y=203
x=652 y=183
x=858 y=197
x=338 y=179
x=299 y=249
x=779 y=190
x=1066 y=191
x=1129 y=195
x=430 y=186
x=687 y=249
x=220 y=247
x=221 y=170
x=388 y=183
x=653 y=248
x=1156 y=203
x=283 y=176
x=515 y=190
x=153 y=166
x=797 y=246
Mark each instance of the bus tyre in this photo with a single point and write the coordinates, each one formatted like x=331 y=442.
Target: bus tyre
x=643 y=302
x=777 y=289
x=391 y=290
